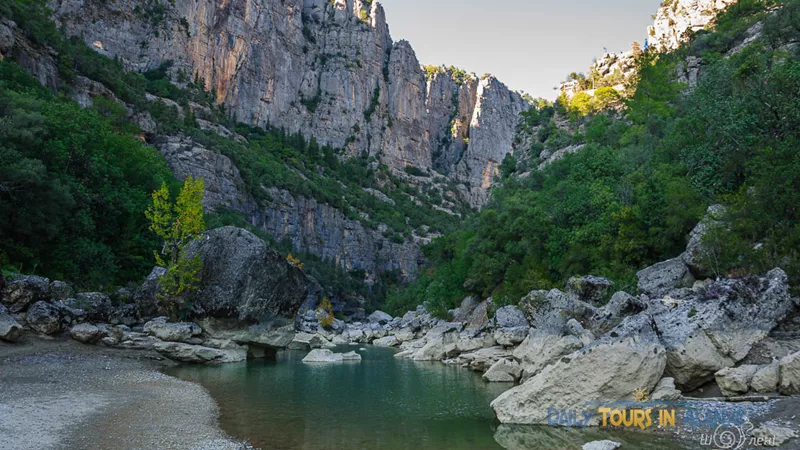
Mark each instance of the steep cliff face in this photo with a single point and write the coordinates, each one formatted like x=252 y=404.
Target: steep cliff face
x=328 y=69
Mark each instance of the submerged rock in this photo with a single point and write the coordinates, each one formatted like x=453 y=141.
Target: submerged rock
x=327 y=356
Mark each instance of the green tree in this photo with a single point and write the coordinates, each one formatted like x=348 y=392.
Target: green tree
x=178 y=225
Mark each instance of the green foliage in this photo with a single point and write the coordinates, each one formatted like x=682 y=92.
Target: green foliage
x=178 y=225
x=78 y=184
x=325 y=313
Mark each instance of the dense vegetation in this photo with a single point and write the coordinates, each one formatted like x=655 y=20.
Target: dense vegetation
x=646 y=175
x=78 y=181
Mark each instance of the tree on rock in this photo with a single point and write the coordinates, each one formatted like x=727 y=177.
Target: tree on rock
x=178 y=225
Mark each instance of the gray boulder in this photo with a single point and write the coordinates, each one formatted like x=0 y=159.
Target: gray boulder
x=146 y=296
x=663 y=277
x=601 y=445
x=86 y=333
x=171 y=332
x=735 y=380
x=388 y=341
x=97 y=306
x=503 y=371
x=60 y=290
x=766 y=379
x=706 y=333
x=479 y=319
x=306 y=341
x=10 y=330
x=609 y=370
x=243 y=278
x=44 y=318
x=463 y=312
x=551 y=310
x=620 y=306
x=772 y=435
x=790 y=374
x=327 y=356
x=198 y=354
x=275 y=334
x=24 y=291
x=510 y=317
x=589 y=288
x=379 y=317
x=541 y=348
x=126 y=314
x=509 y=337
x=697 y=254
x=665 y=391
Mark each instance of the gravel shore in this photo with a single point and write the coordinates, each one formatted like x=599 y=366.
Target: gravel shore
x=59 y=394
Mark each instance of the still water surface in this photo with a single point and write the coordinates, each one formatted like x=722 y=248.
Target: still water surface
x=381 y=403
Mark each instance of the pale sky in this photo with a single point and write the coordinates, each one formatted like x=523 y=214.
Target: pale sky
x=530 y=45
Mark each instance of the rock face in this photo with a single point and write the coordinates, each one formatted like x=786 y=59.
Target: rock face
x=173 y=332
x=611 y=369
x=706 y=333
x=326 y=68
x=243 y=278
x=674 y=19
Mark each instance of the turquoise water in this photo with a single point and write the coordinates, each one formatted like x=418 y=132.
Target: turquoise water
x=380 y=403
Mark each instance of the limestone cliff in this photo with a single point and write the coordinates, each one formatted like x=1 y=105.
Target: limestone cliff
x=675 y=18
x=328 y=69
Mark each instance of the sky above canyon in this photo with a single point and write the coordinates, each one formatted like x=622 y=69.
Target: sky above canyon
x=531 y=45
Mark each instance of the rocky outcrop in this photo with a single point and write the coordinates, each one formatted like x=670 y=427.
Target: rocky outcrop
x=327 y=69
x=199 y=354
x=619 y=364
x=23 y=291
x=242 y=278
x=676 y=19
x=162 y=329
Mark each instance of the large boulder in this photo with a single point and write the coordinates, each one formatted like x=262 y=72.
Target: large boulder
x=735 y=380
x=86 y=333
x=10 y=330
x=510 y=317
x=707 y=332
x=201 y=355
x=327 y=356
x=97 y=306
x=172 y=332
x=697 y=254
x=379 y=317
x=665 y=276
x=275 y=334
x=620 y=306
x=146 y=296
x=306 y=341
x=479 y=319
x=243 y=278
x=24 y=291
x=44 y=318
x=510 y=337
x=609 y=370
x=503 y=371
x=590 y=288
x=551 y=310
x=388 y=341
x=665 y=391
x=541 y=348
x=766 y=379
x=790 y=374
x=462 y=313
x=60 y=290
x=126 y=314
